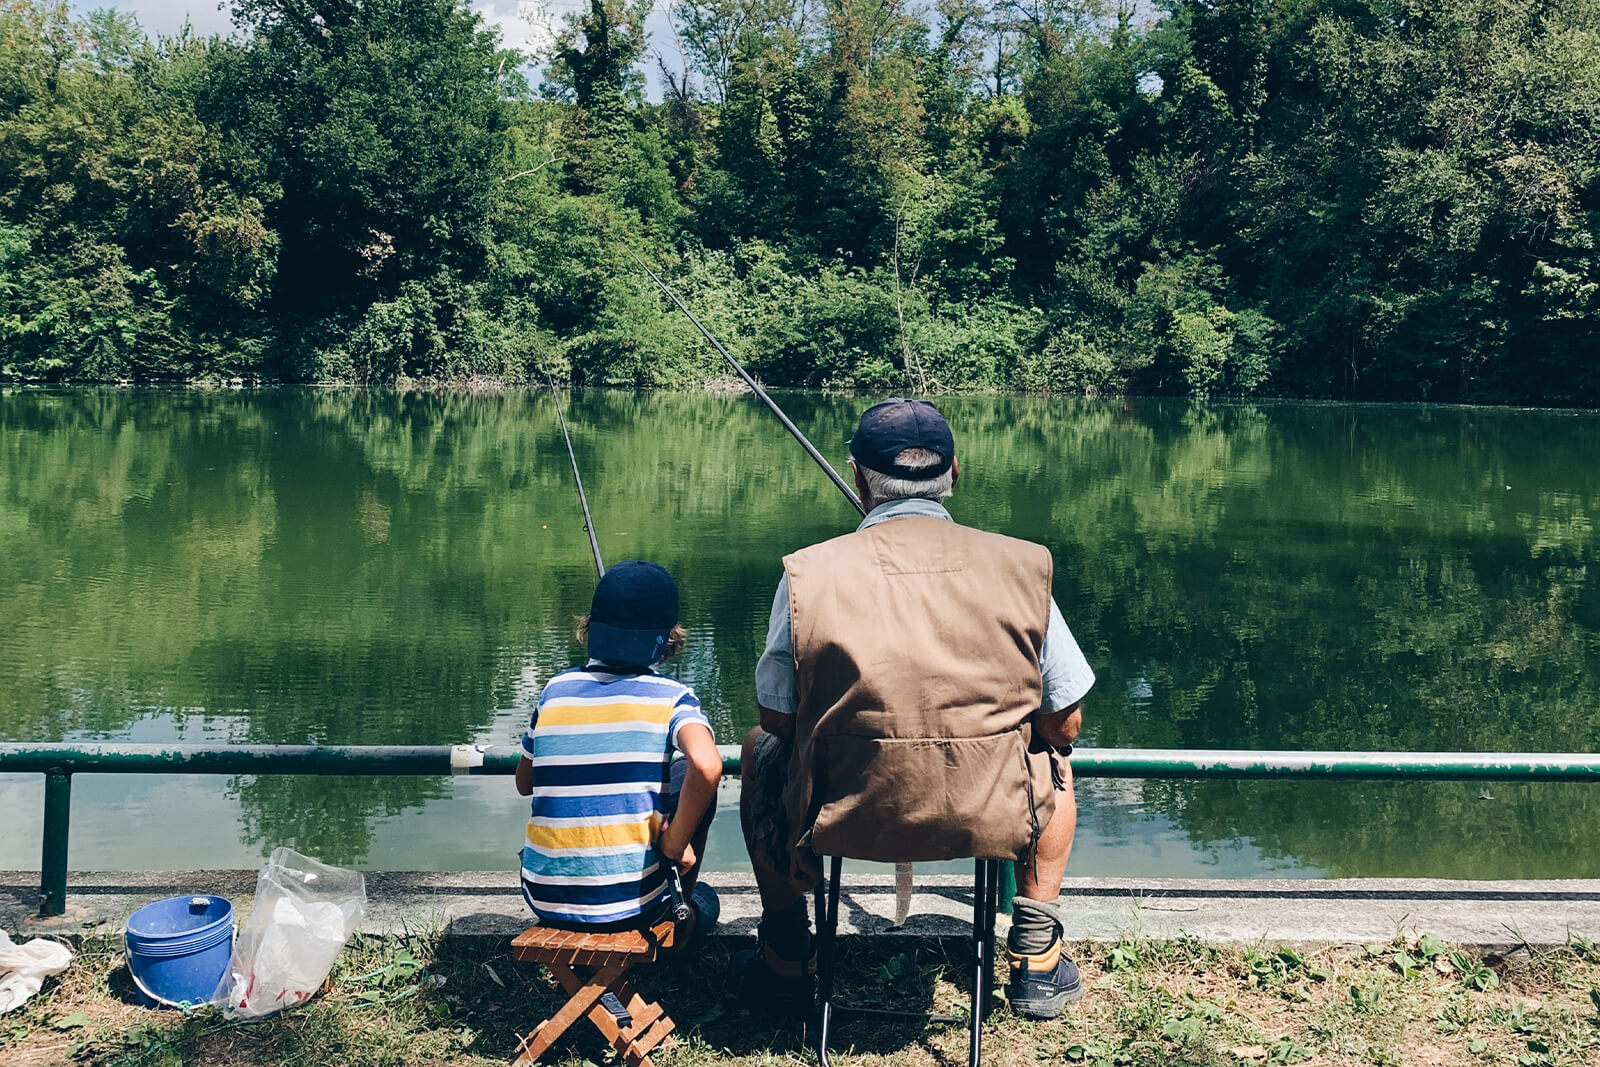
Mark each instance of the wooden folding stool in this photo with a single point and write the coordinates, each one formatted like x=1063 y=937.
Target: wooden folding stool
x=610 y=956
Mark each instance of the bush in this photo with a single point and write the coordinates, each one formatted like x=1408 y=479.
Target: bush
x=840 y=327
x=1068 y=363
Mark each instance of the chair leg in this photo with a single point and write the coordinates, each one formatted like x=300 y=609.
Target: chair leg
x=995 y=887
x=650 y=1029
x=980 y=952
x=827 y=928
x=584 y=996
x=985 y=903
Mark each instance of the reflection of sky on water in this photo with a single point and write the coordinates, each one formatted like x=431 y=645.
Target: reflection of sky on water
x=1121 y=835
x=1140 y=694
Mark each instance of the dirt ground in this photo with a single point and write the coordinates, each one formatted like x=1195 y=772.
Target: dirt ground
x=427 y=1000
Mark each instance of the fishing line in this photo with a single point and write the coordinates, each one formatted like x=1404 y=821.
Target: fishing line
x=755 y=386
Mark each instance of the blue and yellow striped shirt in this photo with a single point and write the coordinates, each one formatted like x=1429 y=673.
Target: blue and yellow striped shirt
x=600 y=744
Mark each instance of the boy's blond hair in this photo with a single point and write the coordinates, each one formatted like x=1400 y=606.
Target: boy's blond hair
x=677 y=637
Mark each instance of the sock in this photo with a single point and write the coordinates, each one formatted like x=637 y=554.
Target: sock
x=1035 y=926
x=788 y=932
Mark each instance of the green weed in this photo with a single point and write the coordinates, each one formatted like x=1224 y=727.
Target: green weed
x=1287 y=1050
x=1583 y=947
x=431 y=1001
x=1285 y=970
x=1474 y=973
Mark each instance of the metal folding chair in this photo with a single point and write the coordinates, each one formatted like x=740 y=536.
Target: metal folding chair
x=985 y=903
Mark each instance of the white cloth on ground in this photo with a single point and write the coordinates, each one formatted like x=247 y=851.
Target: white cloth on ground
x=23 y=968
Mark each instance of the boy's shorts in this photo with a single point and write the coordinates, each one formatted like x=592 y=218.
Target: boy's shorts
x=656 y=913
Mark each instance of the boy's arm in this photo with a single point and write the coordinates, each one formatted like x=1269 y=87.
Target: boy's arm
x=525 y=767
x=700 y=780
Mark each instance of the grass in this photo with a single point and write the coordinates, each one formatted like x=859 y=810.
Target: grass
x=426 y=1000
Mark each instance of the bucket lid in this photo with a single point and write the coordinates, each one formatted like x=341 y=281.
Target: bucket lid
x=179 y=925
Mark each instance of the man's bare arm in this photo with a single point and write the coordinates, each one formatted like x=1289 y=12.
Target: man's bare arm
x=1059 y=728
x=777 y=723
x=525 y=777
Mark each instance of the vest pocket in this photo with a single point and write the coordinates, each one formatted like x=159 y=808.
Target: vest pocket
x=914 y=799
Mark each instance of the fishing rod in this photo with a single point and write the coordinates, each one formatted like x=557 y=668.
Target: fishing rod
x=588 y=523
x=681 y=912
x=902 y=871
x=755 y=386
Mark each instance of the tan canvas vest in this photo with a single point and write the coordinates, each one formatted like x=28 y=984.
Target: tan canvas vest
x=916 y=645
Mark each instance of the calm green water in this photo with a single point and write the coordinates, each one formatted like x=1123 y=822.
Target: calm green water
x=309 y=566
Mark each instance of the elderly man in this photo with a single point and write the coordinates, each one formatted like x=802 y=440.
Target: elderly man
x=918 y=692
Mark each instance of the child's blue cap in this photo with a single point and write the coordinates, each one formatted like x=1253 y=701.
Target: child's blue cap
x=634 y=609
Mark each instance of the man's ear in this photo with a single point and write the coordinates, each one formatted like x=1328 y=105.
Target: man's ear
x=955 y=471
x=861 y=486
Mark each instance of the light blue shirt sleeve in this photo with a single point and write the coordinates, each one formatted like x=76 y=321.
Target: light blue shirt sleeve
x=775 y=684
x=1067 y=675
x=687 y=710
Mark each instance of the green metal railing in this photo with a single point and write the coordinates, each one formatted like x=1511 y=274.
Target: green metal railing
x=59 y=762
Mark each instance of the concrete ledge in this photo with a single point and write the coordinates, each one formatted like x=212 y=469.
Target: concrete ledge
x=1351 y=910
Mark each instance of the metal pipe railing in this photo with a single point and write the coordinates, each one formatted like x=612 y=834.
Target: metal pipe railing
x=59 y=761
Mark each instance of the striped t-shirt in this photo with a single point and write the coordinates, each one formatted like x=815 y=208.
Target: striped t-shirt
x=600 y=744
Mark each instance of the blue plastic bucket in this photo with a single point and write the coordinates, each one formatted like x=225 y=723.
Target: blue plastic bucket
x=178 y=950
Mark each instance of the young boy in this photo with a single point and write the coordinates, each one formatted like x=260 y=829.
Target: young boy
x=611 y=804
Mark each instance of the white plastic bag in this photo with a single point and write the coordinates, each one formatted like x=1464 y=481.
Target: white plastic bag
x=303 y=914
x=23 y=968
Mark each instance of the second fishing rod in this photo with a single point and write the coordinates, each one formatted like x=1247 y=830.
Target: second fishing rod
x=903 y=872
x=755 y=387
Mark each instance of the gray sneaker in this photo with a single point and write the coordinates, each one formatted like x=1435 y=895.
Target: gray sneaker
x=1042 y=985
x=765 y=981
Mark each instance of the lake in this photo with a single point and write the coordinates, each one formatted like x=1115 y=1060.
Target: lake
x=328 y=566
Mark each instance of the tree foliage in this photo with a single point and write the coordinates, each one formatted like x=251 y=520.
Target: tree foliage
x=1345 y=198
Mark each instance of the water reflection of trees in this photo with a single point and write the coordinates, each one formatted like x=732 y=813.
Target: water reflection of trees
x=391 y=568
x=1325 y=577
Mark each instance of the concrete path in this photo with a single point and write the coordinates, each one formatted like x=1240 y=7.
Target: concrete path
x=1354 y=910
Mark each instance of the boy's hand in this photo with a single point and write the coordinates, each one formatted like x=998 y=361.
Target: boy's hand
x=680 y=853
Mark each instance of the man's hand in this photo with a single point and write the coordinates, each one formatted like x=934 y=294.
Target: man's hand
x=1059 y=728
x=679 y=853
x=777 y=723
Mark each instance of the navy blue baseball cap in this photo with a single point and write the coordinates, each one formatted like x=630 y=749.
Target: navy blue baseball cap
x=634 y=609
x=889 y=428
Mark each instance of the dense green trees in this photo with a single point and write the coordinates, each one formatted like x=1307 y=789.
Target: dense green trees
x=1350 y=198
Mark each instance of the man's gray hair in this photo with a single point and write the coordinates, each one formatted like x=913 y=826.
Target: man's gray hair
x=884 y=487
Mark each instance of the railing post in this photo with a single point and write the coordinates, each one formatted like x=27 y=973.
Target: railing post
x=1008 y=886
x=53 y=863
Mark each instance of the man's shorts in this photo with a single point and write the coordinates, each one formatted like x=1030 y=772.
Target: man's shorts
x=764 y=779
